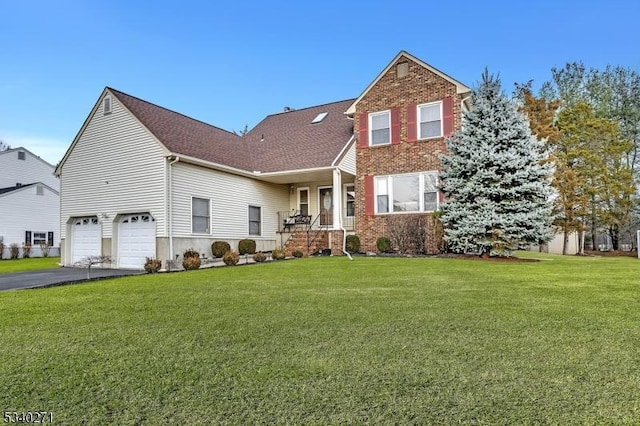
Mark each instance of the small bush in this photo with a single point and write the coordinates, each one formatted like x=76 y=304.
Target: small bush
x=231 y=258
x=278 y=254
x=191 y=259
x=353 y=244
x=152 y=265
x=26 y=250
x=408 y=233
x=219 y=248
x=383 y=244
x=191 y=253
x=259 y=257
x=14 y=251
x=44 y=249
x=297 y=253
x=191 y=263
x=247 y=246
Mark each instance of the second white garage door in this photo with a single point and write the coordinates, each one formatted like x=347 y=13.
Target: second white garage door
x=136 y=240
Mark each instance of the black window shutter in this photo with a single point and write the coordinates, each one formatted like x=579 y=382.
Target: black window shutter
x=50 y=238
x=27 y=237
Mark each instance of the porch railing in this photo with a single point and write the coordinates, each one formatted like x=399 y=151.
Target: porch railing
x=316 y=228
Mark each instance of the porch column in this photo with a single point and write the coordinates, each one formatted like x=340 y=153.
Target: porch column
x=337 y=199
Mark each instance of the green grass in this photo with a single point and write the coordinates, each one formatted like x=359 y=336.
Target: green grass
x=329 y=341
x=8 y=266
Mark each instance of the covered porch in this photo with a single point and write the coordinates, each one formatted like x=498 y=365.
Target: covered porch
x=321 y=207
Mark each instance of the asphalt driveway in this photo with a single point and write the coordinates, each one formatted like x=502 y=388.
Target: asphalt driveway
x=58 y=276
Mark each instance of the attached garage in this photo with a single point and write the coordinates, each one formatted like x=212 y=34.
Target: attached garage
x=85 y=238
x=136 y=240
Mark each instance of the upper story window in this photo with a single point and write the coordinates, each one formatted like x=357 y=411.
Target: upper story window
x=430 y=120
x=416 y=192
x=380 y=128
x=200 y=216
x=21 y=155
x=107 y=105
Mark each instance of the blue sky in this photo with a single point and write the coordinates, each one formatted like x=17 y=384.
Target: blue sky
x=230 y=64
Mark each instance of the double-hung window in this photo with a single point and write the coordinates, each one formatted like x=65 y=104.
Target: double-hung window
x=415 y=192
x=430 y=120
x=255 y=215
x=200 y=216
x=380 y=128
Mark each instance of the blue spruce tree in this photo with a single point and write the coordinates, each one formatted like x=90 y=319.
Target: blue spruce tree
x=496 y=185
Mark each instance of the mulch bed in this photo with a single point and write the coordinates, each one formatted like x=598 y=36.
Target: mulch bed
x=617 y=253
x=511 y=259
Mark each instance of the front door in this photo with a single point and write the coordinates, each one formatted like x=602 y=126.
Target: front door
x=325 y=201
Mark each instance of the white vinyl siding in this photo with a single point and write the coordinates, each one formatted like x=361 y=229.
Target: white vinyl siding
x=115 y=167
x=348 y=162
x=230 y=195
x=30 y=216
x=30 y=170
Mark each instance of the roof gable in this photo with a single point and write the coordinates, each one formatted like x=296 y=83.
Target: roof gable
x=15 y=189
x=7 y=151
x=460 y=88
x=281 y=142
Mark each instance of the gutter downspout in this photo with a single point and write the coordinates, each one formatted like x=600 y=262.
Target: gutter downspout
x=344 y=231
x=170 y=202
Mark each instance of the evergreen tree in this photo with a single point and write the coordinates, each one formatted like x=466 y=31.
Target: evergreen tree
x=494 y=178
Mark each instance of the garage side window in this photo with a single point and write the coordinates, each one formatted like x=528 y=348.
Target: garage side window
x=200 y=215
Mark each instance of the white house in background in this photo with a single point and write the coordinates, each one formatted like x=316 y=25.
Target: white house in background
x=29 y=201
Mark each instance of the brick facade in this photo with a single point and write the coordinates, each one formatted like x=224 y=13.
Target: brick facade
x=420 y=85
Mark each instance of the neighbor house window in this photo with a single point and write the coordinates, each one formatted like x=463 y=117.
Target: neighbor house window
x=200 y=216
x=416 y=192
x=39 y=190
x=430 y=120
x=380 y=128
x=255 y=222
x=39 y=238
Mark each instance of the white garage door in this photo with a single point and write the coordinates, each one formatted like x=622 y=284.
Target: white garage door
x=85 y=238
x=136 y=240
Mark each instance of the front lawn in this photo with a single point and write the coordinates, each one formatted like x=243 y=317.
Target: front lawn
x=8 y=266
x=329 y=341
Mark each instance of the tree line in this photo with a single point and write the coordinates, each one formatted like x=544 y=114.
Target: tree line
x=589 y=120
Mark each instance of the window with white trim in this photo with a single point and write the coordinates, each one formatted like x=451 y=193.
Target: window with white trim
x=412 y=192
x=39 y=238
x=380 y=128
x=200 y=215
x=255 y=220
x=430 y=120
x=350 y=199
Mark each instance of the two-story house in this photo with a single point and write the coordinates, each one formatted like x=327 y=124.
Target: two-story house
x=140 y=180
x=29 y=201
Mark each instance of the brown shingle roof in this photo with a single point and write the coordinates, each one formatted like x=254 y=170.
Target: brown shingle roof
x=289 y=141
x=187 y=136
x=280 y=142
